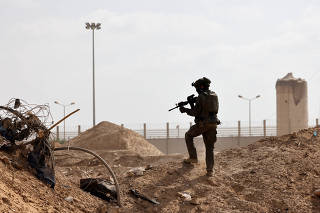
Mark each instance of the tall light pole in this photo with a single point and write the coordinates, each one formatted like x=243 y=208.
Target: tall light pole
x=249 y=99
x=64 y=115
x=93 y=27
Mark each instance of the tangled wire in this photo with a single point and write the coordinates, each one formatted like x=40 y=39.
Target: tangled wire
x=20 y=122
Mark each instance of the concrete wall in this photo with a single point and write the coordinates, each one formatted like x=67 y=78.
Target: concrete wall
x=177 y=145
x=292 y=104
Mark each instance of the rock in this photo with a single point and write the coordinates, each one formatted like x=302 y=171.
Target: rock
x=317 y=192
x=69 y=199
x=149 y=167
x=138 y=171
x=186 y=196
x=5 y=160
x=195 y=202
x=6 y=200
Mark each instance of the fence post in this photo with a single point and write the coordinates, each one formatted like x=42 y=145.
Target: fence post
x=58 y=133
x=145 y=131
x=178 y=128
x=264 y=128
x=239 y=132
x=317 y=122
x=168 y=137
x=79 y=129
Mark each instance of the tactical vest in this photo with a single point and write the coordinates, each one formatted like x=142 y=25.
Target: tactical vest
x=209 y=106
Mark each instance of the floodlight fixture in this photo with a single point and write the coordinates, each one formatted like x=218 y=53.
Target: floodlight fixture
x=88 y=26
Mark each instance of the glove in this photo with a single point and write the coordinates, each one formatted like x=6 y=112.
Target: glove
x=182 y=109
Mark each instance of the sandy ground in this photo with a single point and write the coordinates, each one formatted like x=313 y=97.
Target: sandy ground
x=277 y=174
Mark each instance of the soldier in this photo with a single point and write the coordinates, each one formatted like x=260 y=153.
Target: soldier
x=205 y=112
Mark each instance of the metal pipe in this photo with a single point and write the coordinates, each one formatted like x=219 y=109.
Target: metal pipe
x=102 y=160
x=93 y=84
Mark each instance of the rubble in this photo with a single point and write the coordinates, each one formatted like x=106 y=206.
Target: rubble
x=137 y=194
x=99 y=187
x=69 y=199
x=185 y=196
x=19 y=122
x=138 y=171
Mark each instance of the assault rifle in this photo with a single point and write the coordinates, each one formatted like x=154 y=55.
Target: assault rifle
x=191 y=99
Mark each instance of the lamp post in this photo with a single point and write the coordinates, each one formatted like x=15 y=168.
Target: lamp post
x=93 y=27
x=64 y=115
x=249 y=99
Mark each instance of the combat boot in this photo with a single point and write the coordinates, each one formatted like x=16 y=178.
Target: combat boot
x=190 y=161
x=209 y=173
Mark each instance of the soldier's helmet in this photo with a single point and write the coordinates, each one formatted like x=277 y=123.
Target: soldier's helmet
x=205 y=82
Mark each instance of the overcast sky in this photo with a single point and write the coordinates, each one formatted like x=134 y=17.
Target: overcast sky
x=149 y=52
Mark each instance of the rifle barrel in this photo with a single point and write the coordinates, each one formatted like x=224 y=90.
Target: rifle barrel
x=173 y=108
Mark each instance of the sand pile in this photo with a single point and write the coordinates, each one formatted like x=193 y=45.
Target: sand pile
x=109 y=136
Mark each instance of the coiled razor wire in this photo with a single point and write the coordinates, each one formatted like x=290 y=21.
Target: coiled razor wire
x=37 y=118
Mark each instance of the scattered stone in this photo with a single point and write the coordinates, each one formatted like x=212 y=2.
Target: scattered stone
x=5 y=160
x=69 y=199
x=149 y=167
x=138 y=171
x=317 y=192
x=186 y=196
x=195 y=202
x=6 y=200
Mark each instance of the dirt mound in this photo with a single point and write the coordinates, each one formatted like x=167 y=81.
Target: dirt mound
x=277 y=174
x=109 y=136
x=21 y=191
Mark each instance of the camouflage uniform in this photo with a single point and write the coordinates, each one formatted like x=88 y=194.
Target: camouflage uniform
x=205 y=112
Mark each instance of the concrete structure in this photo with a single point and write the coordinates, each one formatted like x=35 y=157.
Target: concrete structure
x=292 y=104
x=178 y=145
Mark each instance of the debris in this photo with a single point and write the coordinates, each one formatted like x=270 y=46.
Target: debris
x=5 y=160
x=99 y=187
x=143 y=197
x=20 y=121
x=138 y=171
x=317 y=192
x=69 y=199
x=148 y=167
x=315 y=133
x=186 y=196
x=195 y=202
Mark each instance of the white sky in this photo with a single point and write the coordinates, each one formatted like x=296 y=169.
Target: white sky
x=149 y=52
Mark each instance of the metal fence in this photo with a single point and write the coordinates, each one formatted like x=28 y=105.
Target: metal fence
x=168 y=132
x=241 y=130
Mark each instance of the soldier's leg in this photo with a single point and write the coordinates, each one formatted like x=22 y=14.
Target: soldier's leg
x=209 y=139
x=194 y=131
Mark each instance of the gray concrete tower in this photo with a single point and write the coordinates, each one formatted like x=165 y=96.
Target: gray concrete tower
x=292 y=104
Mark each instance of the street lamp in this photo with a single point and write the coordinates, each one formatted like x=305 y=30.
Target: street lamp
x=64 y=115
x=93 y=27
x=249 y=99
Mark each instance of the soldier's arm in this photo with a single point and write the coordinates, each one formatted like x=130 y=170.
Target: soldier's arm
x=196 y=110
